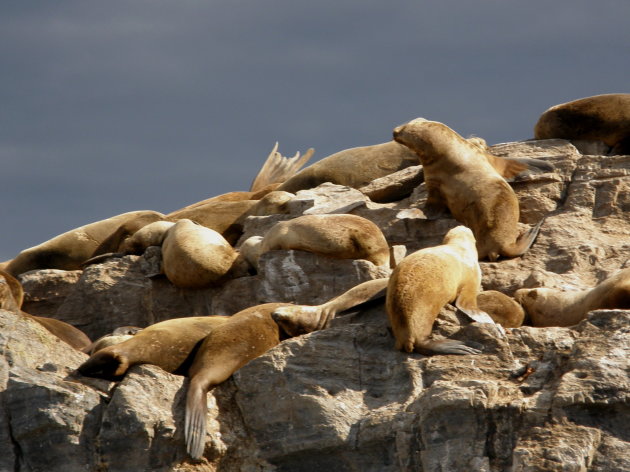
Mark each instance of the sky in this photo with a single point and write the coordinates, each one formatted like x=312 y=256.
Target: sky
x=109 y=107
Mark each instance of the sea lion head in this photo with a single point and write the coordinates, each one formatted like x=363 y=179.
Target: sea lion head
x=105 y=364
x=429 y=139
x=251 y=250
x=459 y=233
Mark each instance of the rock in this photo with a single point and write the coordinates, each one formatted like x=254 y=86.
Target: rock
x=46 y=290
x=342 y=399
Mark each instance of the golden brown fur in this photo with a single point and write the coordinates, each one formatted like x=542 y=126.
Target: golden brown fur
x=226 y=216
x=245 y=336
x=426 y=280
x=552 y=307
x=501 y=308
x=459 y=177
x=603 y=118
x=339 y=235
x=166 y=344
x=194 y=256
x=72 y=248
x=300 y=319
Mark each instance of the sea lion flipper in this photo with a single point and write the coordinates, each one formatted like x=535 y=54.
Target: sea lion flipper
x=278 y=168
x=524 y=241
x=101 y=258
x=449 y=346
x=195 y=420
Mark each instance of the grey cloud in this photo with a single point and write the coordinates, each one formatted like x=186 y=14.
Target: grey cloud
x=115 y=106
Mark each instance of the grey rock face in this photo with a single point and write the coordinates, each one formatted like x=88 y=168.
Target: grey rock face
x=342 y=399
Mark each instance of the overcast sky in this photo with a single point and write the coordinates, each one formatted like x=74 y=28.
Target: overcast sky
x=113 y=106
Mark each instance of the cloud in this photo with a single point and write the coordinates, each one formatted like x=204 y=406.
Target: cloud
x=147 y=104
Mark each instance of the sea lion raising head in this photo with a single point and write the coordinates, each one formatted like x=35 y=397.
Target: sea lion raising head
x=459 y=177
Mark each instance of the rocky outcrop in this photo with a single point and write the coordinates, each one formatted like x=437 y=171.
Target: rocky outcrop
x=343 y=399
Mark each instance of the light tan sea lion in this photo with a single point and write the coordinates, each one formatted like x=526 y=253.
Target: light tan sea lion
x=120 y=334
x=340 y=236
x=603 y=118
x=69 y=250
x=245 y=336
x=459 y=177
x=501 y=308
x=278 y=168
x=167 y=344
x=426 y=280
x=11 y=299
x=551 y=307
x=296 y=320
x=194 y=256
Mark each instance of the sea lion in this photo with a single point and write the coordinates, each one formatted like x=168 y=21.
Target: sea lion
x=551 y=307
x=357 y=167
x=194 y=256
x=11 y=299
x=167 y=344
x=278 y=168
x=426 y=280
x=120 y=334
x=353 y=167
x=70 y=249
x=502 y=309
x=245 y=336
x=227 y=217
x=459 y=176
x=301 y=319
x=341 y=236
x=150 y=235
x=603 y=118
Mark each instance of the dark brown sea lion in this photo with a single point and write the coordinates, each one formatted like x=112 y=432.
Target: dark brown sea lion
x=603 y=118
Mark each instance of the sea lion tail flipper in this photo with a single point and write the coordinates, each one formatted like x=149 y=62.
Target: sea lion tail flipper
x=448 y=346
x=278 y=168
x=195 y=421
x=524 y=241
x=101 y=258
x=539 y=163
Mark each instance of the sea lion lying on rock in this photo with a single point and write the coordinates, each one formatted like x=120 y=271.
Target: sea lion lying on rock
x=604 y=118
x=70 y=250
x=340 y=236
x=552 y=307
